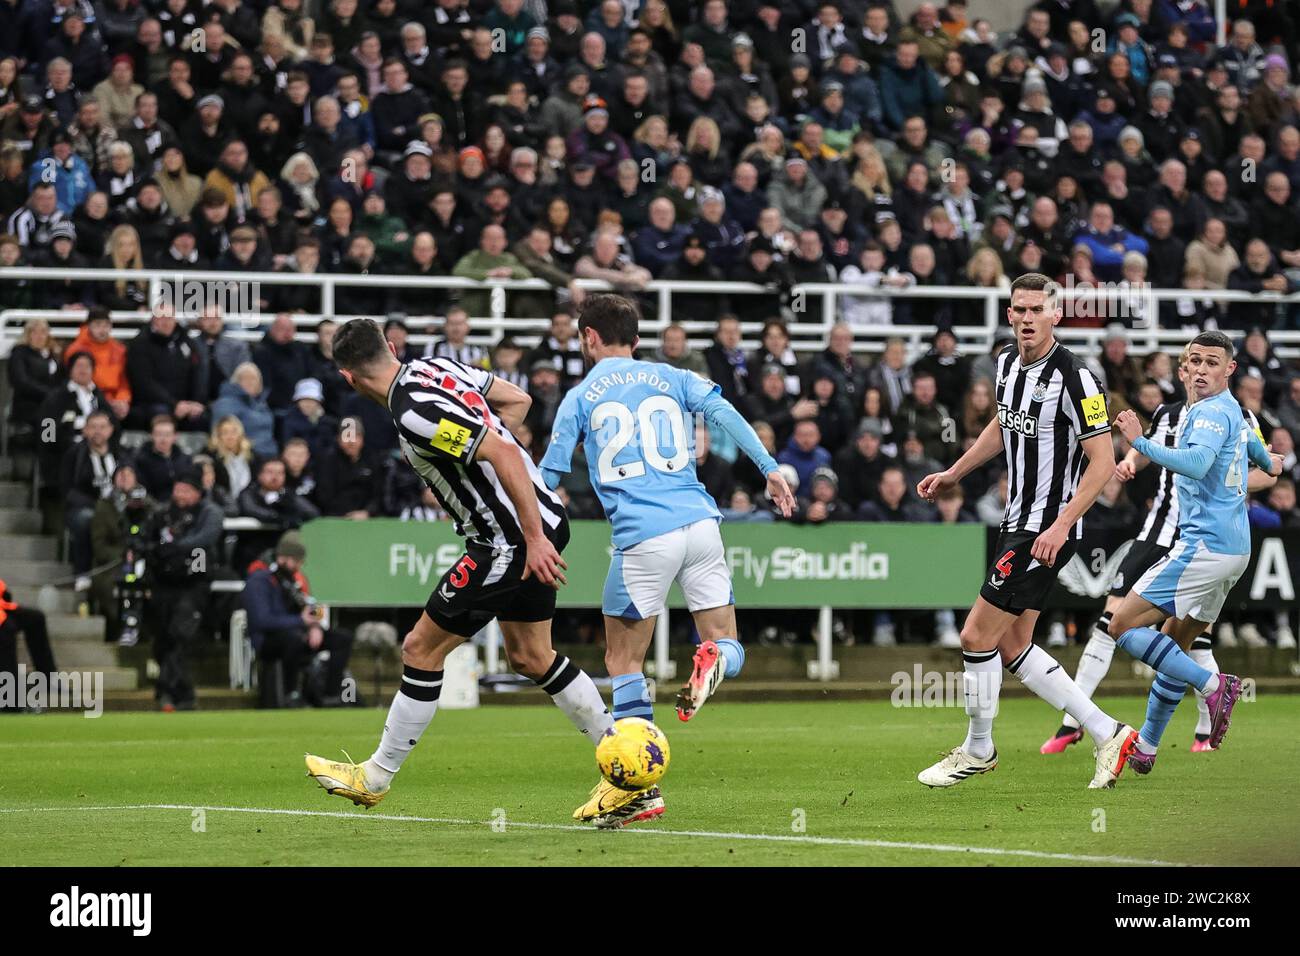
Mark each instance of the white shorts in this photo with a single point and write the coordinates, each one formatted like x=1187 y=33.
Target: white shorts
x=1192 y=581
x=693 y=556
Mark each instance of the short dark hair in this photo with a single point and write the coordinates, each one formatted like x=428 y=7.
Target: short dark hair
x=1032 y=282
x=1214 y=340
x=614 y=317
x=1037 y=282
x=358 y=344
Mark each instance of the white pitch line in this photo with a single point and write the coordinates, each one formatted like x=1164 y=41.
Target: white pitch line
x=706 y=834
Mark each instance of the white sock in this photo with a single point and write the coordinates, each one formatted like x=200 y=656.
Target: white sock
x=575 y=694
x=1094 y=663
x=1041 y=673
x=982 y=682
x=413 y=707
x=1205 y=657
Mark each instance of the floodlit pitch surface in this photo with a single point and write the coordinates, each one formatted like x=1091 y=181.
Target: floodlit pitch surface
x=750 y=784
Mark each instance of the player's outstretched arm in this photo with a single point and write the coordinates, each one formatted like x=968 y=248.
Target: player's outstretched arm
x=1262 y=457
x=723 y=415
x=1193 y=461
x=509 y=401
x=1258 y=480
x=1130 y=465
x=1101 y=467
x=987 y=446
x=507 y=460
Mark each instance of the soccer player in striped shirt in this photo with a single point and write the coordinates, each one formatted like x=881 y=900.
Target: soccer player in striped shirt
x=1215 y=449
x=1153 y=542
x=1051 y=415
x=453 y=423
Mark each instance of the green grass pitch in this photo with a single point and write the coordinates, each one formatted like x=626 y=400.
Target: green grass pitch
x=750 y=784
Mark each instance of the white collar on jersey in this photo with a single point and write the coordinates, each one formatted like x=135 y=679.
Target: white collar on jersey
x=1050 y=353
x=393 y=384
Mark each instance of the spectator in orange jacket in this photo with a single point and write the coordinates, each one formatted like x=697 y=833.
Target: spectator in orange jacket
x=96 y=339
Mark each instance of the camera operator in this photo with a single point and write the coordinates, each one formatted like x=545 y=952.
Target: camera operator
x=182 y=538
x=117 y=547
x=29 y=622
x=284 y=624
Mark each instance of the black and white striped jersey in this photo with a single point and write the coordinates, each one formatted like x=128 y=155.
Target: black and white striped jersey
x=1046 y=410
x=1161 y=525
x=441 y=412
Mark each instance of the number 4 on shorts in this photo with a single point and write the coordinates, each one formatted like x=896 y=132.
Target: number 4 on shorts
x=1004 y=564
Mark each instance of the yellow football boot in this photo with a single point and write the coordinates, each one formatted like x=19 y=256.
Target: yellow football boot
x=610 y=807
x=344 y=779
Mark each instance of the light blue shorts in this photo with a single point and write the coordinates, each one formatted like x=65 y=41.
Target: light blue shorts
x=1192 y=581
x=693 y=556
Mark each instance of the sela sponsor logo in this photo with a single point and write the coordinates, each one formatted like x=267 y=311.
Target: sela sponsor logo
x=784 y=564
x=76 y=909
x=1017 y=421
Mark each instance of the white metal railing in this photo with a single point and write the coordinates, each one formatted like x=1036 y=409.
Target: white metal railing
x=809 y=330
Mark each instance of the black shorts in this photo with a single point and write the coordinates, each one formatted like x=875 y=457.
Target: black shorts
x=1141 y=558
x=1011 y=584
x=487 y=584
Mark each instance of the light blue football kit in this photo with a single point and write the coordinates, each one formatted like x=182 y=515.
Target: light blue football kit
x=635 y=421
x=1214 y=450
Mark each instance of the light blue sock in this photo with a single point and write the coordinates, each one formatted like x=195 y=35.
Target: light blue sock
x=733 y=656
x=632 y=697
x=1160 y=653
x=1161 y=704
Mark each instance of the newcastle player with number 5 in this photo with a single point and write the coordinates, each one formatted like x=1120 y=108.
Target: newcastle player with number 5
x=1051 y=416
x=453 y=423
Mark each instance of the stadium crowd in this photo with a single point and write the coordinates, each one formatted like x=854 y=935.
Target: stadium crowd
x=768 y=142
